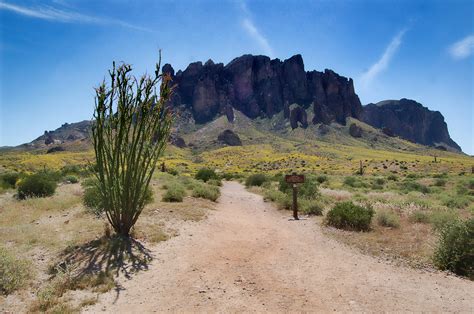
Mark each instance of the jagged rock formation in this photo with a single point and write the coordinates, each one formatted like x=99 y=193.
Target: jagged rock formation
x=230 y=138
x=298 y=117
x=409 y=120
x=261 y=87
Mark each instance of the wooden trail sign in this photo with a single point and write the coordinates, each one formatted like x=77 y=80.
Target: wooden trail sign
x=294 y=179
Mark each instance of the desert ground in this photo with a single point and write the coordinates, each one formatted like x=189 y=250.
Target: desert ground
x=247 y=256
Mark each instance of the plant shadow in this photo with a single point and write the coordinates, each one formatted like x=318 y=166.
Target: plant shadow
x=116 y=255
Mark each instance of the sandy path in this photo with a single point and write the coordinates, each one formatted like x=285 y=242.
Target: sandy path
x=249 y=257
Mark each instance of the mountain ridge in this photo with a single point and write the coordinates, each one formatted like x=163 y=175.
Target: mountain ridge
x=261 y=88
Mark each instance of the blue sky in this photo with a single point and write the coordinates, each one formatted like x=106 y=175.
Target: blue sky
x=52 y=53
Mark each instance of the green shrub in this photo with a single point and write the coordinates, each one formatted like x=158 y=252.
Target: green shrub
x=311 y=208
x=14 y=273
x=392 y=177
x=419 y=216
x=8 y=180
x=440 y=175
x=215 y=182
x=36 y=185
x=71 y=179
x=409 y=186
x=255 y=180
x=205 y=174
x=387 y=218
x=455 y=249
x=174 y=193
x=321 y=179
x=347 y=215
x=206 y=191
x=379 y=181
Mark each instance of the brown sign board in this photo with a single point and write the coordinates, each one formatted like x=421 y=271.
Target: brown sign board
x=294 y=178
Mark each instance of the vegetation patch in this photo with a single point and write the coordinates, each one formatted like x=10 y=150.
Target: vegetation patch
x=206 y=174
x=387 y=218
x=455 y=249
x=255 y=180
x=206 y=191
x=175 y=193
x=36 y=185
x=347 y=215
x=14 y=272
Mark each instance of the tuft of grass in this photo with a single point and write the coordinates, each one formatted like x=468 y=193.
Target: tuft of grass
x=387 y=218
x=441 y=218
x=175 y=193
x=311 y=207
x=71 y=179
x=14 y=272
x=215 y=182
x=255 y=180
x=419 y=216
x=206 y=191
x=440 y=182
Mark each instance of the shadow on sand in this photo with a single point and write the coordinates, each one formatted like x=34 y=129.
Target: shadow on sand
x=116 y=255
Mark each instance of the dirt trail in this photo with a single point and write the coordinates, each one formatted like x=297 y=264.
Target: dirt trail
x=249 y=257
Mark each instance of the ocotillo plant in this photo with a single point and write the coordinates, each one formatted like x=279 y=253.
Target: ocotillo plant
x=130 y=130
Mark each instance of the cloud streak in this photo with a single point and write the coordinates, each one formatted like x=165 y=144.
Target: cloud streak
x=55 y=15
x=256 y=35
x=463 y=48
x=252 y=30
x=384 y=61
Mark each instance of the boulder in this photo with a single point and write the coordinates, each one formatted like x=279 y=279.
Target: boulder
x=228 y=137
x=355 y=130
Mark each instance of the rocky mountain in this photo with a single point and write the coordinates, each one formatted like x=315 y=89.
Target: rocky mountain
x=279 y=94
x=261 y=87
x=410 y=120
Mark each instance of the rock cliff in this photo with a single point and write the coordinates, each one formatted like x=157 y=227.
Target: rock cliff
x=261 y=87
x=410 y=120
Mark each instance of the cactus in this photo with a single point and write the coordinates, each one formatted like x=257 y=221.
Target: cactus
x=130 y=131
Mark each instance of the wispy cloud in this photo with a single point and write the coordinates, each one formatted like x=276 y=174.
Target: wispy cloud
x=384 y=61
x=57 y=15
x=463 y=48
x=252 y=30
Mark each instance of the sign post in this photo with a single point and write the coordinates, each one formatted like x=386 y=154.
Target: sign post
x=294 y=179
